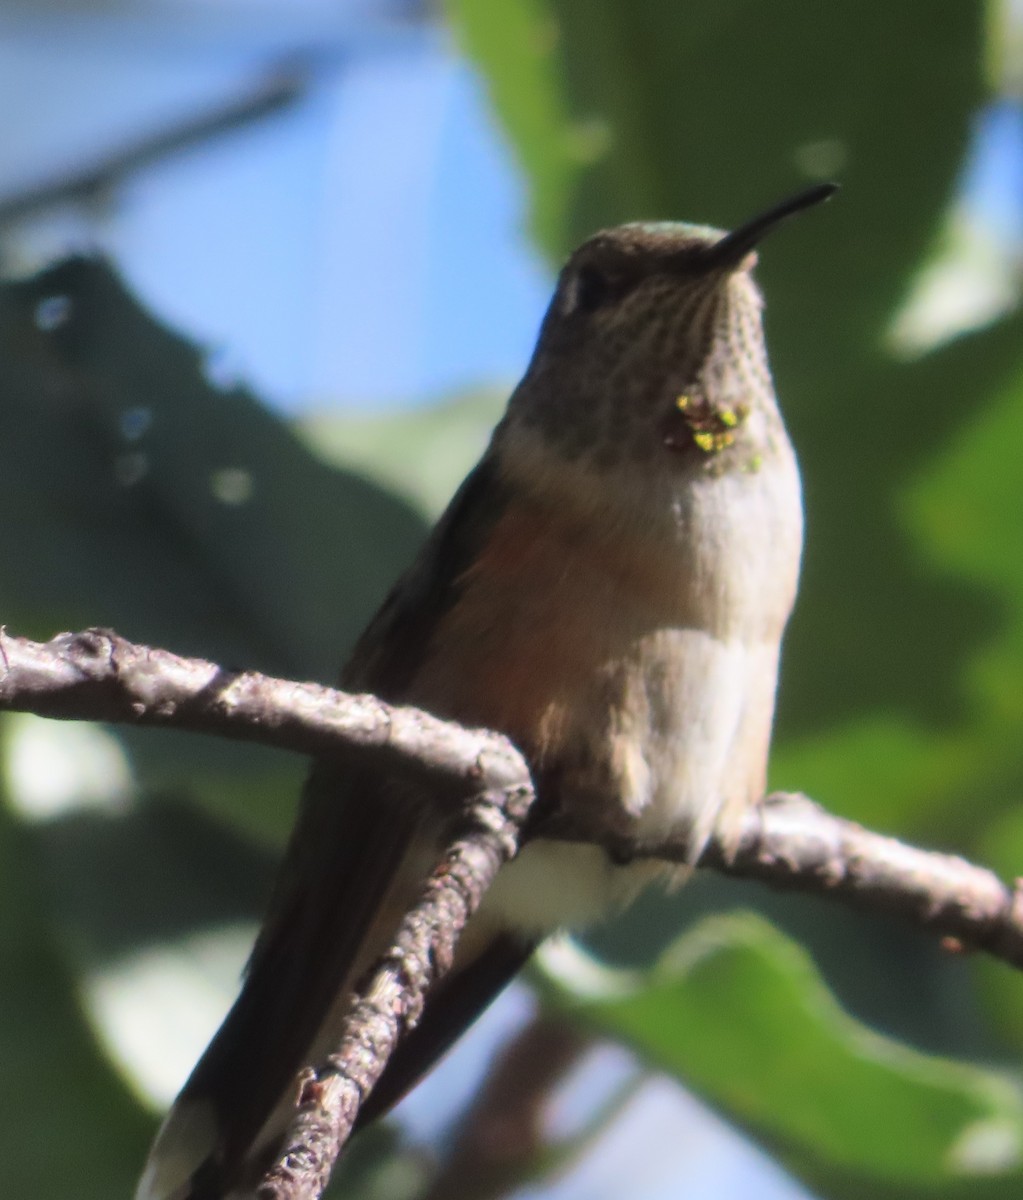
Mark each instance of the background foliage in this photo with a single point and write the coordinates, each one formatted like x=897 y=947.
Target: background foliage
x=135 y=493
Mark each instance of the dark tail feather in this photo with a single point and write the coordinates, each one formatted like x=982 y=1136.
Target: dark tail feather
x=348 y=863
x=343 y=867
x=231 y=1093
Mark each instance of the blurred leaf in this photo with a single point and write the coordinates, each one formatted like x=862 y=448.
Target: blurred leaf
x=963 y=506
x=138 y=495
x=519 y=43
x=70 y=1126
x=737 y=1010
x=190 y=514
x=1000 y=843
x=421 y=454
x=887 y=973
x=918 y=765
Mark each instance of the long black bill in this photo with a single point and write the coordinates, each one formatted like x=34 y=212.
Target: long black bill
x=734 y=246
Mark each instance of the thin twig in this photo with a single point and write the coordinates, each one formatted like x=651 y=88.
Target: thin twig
x=392 y=999
x=503 y=1141
x=271 y=95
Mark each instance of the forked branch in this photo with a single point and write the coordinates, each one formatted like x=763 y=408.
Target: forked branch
x=786 y=841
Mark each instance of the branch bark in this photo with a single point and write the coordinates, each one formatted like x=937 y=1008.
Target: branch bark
x=787 y=841
x=391 y=1000
x=96 y=675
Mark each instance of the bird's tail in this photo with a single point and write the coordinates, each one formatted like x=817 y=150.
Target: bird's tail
x=350 y=873
x=346 y=878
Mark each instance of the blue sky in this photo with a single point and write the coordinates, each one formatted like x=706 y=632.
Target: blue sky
x=365 y=247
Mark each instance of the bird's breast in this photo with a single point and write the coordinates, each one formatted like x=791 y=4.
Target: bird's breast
x=635 y=664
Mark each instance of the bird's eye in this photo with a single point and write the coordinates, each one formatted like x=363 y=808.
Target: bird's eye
x=593 y=289
x=589 y=288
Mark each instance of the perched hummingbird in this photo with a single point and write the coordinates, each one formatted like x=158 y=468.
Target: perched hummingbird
x=609 y=587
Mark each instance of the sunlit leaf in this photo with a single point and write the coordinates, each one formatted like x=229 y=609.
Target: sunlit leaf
x=737 y=1010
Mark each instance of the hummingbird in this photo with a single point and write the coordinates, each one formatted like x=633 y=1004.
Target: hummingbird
x=609 y=588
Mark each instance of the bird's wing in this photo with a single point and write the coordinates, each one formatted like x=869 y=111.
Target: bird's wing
x=351 y=869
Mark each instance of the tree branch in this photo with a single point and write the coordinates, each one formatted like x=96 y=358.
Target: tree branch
x=391 y=1000
x=790 y=842
x=97 y=675
x=786 y=841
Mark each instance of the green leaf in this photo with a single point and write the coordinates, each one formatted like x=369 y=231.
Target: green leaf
x=519 y=42
x=421 y=454
x=191 y=515
x=70 y=1126
x=186 y=515
x=737 y=1010
x=136 y=494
